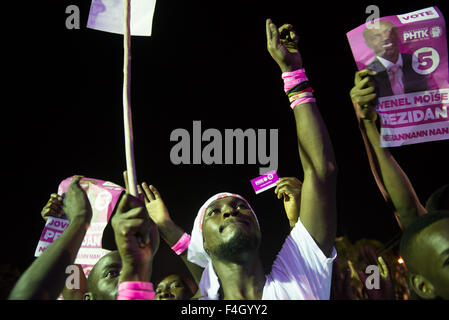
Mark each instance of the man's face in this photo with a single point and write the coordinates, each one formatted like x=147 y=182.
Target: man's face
x=384 y=41
x=432 y=246
x=104 y=277
x=172 y=287
x=230 y=228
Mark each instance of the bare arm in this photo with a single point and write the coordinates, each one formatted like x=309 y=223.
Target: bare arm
x=169 y=231
x=45 y=278
x=393 y=182
x=318 y=210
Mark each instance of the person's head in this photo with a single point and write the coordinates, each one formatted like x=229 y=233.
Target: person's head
x=103 y=279
x=230 y=230
x=383 y=40
x=175 y=287
x=225 y=230
x=439 y=200
x=425 y=249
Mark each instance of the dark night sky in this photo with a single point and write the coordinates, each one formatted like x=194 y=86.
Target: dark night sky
x=62 y=111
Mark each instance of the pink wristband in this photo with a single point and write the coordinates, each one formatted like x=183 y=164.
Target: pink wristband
x=293 y=78
x=135 y=290
x=300 y=95
x=182 y=244
x=135 y=285
x=301 y=101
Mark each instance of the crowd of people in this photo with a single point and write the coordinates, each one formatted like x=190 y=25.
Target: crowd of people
x=222 y=250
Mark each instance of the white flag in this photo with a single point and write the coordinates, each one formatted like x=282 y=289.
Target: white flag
x=108 y=15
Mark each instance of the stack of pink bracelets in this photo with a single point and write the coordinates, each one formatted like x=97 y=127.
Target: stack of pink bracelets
x=140 y=290
x=135 y=290
x=297 y=87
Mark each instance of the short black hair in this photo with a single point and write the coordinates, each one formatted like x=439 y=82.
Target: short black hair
x=411 y=232
x=439 y=200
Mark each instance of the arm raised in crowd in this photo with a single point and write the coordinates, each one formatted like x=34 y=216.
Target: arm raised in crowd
x=318 y=211
x=170 y=232
x=45 y=278
x=137 y=239
x=159 y=214
x=392 y=181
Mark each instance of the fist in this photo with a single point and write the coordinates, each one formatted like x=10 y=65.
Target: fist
x=282 y=45
x=53 y=208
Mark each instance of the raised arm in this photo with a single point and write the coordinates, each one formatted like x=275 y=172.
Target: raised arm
x=392 y=181
x=318 y=211
x=168 y=229
x=45 y=278
x=137 y=239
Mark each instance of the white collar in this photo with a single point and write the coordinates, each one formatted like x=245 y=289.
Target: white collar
x=387 y=64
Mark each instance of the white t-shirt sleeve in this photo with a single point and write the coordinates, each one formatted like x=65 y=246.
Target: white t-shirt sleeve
x=300 y=271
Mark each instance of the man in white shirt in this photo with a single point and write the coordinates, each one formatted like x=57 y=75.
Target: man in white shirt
x=226 y=234
x=395 y=74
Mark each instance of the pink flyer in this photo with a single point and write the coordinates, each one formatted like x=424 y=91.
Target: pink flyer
x=265 y=182
x=103 y=197
x=409 y=54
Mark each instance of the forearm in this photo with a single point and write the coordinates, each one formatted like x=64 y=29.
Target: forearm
x=45 y=278
x=318 y=210
x=315 y=148
x=136 y=271
x=398 y=186
x=171 y=233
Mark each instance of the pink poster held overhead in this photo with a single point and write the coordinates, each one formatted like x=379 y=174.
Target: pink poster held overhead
x=103 y=197
x=409 y=54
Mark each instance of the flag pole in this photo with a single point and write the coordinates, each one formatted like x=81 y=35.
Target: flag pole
x=127 y=116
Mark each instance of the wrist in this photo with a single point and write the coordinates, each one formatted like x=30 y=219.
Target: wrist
x=134 y=271
x=135 y=290
x=165 y=222
x=79 y=222
x=297 y=87
x=290 y=68
x=368 y=121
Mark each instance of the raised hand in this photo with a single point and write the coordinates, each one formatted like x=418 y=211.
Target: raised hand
x=282 y=45
x=289 y=189
x=76 y=203
x=53 y=208
x=385 y=291
x=363 y=95
x=155 y=205
x=341 y=283
x=137 y=239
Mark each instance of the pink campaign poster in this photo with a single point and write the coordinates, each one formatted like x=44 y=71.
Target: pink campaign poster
x=409 y=54
x=103 y=197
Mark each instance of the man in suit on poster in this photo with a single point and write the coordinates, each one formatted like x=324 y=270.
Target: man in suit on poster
x=395 y=74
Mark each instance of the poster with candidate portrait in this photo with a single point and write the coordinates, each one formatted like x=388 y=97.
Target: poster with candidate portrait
x=409 y=54
x=103 y=197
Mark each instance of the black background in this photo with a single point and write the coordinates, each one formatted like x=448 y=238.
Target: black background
x=206 y=60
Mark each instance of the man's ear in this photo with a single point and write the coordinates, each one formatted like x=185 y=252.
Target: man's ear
x=88 y=296
x=422 y=287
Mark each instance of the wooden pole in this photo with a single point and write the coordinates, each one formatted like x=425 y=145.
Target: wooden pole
x=127 y=115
